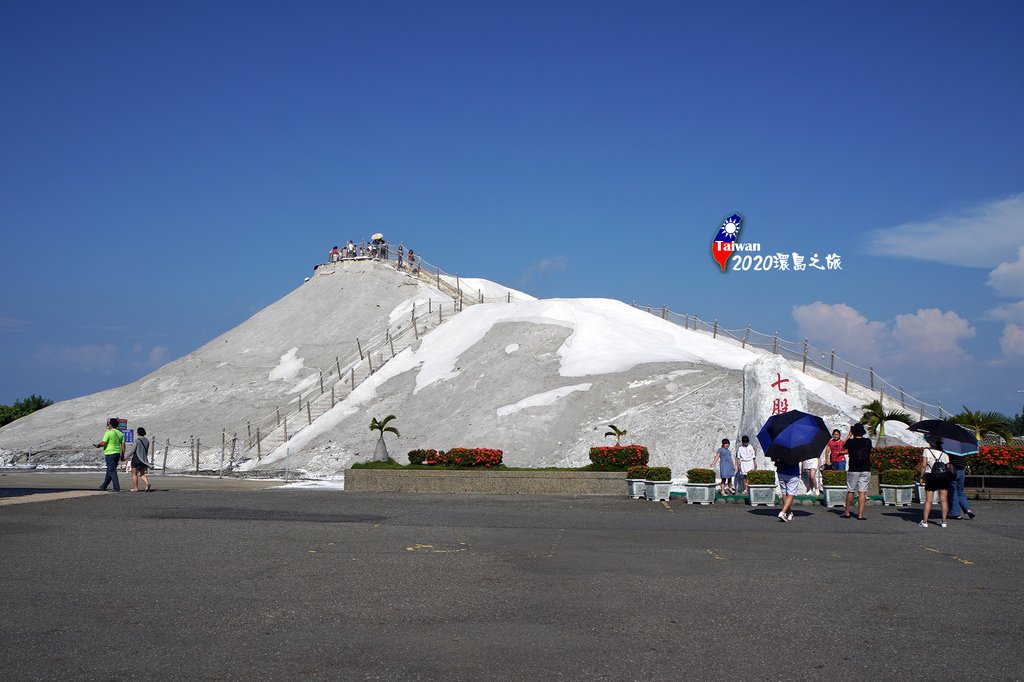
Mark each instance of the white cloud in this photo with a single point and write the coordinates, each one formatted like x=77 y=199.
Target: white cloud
x=930 y=335
x=979 y=237
x=1012 y=341
x=1010 y=312
x=840 y=327
x=157 y=356
x=88 y=358
x=543 y=267
x=1008 y=278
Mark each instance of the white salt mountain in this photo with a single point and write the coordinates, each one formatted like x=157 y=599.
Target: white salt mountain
x=538 y=379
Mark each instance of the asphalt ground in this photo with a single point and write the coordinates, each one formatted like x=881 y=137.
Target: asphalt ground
x=293 y=584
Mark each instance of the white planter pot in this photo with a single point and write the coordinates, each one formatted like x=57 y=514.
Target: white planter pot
x=700 y=493
x=636 y=488
x=920 y=492
x=897 y=495
x=657 y=490
x=835 y=495
x=761 y=493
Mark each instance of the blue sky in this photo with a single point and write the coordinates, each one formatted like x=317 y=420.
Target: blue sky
x=169 y=169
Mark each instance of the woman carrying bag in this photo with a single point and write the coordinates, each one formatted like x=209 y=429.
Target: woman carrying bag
x=935 y=475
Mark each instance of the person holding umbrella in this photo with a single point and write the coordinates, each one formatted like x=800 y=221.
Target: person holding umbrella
x=858 y=451
x=935 y=475
x=956 y=442
x=788 y=439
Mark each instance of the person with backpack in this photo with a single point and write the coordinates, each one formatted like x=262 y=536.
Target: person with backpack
x=935 y=475
x=140 y=462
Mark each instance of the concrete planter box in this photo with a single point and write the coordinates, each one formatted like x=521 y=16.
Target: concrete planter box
x=657 y=490
x=919 y=493
x=700 y=493
x=485 y=481
x=835 y=495
x=761 y=494
x=635 y=487
x=897 y=495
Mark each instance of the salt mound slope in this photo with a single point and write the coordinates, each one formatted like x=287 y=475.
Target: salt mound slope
x=265 y=361
x=511 y=376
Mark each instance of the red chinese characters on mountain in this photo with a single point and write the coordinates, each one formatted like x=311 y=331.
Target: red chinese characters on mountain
x=780 y=404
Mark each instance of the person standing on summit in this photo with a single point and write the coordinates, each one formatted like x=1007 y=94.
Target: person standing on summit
x=113 y=451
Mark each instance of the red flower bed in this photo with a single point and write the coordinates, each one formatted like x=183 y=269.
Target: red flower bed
x=895 y=457
x=465 y=457
x=991 y=460
x=618 y=457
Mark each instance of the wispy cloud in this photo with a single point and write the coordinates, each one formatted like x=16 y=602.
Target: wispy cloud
x=982 y=237
x=542 y=267
x=12 y=324
x=87 y=358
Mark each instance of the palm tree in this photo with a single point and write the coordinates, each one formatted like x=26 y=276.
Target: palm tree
x=381 y=451
x=617 y=432
x=984 y=423
x=875 y=417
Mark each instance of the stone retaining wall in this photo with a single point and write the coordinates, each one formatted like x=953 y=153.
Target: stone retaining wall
x=468 y=481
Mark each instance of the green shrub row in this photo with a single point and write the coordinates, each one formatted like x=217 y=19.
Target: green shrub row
x=761 y=477
x=897 y=477
x=457 y=457
x=700 y=476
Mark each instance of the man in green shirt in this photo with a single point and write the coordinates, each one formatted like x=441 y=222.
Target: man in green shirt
x=113 y=450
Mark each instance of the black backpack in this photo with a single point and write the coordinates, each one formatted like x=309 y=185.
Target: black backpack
x=940 y=468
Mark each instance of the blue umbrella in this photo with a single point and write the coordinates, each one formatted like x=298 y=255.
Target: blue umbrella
x=792 y=437
x=956 y=440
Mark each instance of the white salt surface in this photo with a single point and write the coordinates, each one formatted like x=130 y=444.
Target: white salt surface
x=490 y=290
x=511 y=348
x=289 y=366
x=404 y=309
x=328 y=484
x=546 y=398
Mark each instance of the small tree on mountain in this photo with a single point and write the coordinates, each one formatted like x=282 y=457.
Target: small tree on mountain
x=380 y=453
x=617 y=432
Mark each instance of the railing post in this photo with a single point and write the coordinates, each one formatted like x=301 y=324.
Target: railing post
x=714 y=331
x=309 y=413
x=391 y=342
x=369 y=359
x=664 y=312
x=234 y=441
x=775 y=344
x=332 y=396
x=509 y=295
x=286 y=429
x=746 y=335
x=430 y=305
x=248 y=433
x=481 y=295
x=278 y=409
x=337 y=366
x=871 y=376
x=360 y=347
x=321 y=383
x=846 y=383
x=352 y=376
x=805 y=357
x=198 y=445
x=259 y=445
x=903 y=402
x=686 y=321
x=438 y=278
x=440 y=319
x=832 y=363
x=167 y=447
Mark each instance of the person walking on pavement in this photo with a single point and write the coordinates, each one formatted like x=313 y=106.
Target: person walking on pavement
x=113 y=451
x=958 y=504
x=140 y=462
x=935 y=474
x=789 y=484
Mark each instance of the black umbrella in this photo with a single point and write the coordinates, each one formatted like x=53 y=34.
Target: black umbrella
x=792 y=437
x=956 y=440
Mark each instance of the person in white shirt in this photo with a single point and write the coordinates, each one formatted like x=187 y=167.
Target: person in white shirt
x=746 y=461
x=935 y=475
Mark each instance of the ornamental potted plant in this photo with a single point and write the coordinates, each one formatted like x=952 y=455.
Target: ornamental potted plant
x=761 y=487
x=658 y=483
x=897 y=486
x=636 y=477
x=700 y=486
x=834 y=483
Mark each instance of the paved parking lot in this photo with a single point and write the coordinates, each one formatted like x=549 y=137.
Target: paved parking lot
x=291 y=584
